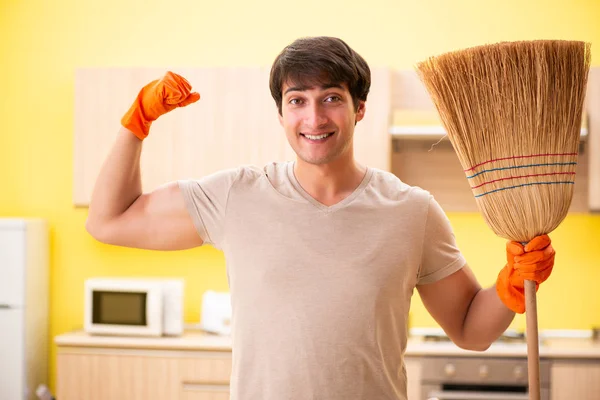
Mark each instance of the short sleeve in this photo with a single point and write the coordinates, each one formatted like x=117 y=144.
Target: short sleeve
x=441 y=256
x=206 y=202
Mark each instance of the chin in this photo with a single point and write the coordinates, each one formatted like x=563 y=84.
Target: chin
x=322 y=160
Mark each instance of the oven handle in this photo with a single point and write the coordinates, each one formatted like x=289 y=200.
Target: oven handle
x=456 y=395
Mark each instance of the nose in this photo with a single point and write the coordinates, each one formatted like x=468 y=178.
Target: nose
x=315 y=116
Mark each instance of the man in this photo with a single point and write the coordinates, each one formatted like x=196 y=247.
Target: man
x=323 y=253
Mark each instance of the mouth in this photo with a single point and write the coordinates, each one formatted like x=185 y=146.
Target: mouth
x=318 y=138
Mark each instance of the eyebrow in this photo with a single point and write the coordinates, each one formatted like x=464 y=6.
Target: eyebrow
x=304 y=87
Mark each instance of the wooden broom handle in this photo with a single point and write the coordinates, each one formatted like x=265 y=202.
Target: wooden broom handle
x=533 y=351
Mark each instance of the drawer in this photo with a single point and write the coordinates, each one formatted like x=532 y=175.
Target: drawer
x=204 y=392
x=206 y=370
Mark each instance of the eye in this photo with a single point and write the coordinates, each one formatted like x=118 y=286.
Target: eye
x=295 y=101
x=333 y=99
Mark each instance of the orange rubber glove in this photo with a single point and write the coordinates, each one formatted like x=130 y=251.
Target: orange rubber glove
x=155 y=99
x=532 y=262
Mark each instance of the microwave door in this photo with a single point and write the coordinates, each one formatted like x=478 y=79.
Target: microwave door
x=124 y=312
x=119 y=308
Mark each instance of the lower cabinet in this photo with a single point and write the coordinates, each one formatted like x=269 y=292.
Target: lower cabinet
x=575 y=380
x=89 y=373
x=205 y=378
x=217 y=393
x=86 y=374
x=129 y=374
x=413 y=375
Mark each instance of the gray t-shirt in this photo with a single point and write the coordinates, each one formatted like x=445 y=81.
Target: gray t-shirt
x=320 y=294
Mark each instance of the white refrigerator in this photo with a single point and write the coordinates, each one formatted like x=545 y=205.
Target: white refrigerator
x=24 y=259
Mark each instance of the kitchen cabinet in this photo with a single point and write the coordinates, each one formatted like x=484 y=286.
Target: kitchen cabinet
x=191 y=367
x=129 y=374
x=420 y=157
x=413 y=376
x=234 y=123
x=197 y=366
x=205 y=378
x=593 y=115
x=575 y=379
x=98 y=374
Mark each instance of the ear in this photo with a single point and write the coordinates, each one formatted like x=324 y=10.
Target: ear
x=280 y=118
x=360 y=112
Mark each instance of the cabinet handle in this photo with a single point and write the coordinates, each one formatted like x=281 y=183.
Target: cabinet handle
x=459 y=395
x=205 y=387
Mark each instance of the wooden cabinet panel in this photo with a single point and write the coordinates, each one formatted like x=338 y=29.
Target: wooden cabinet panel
x=572 y=380
x=204 y=392
x=206 y=370
x=425 y=161
x=111 y=376
x=435 y=168
x=413 y=375
x=593 y=115
x=120 y=374
x=234 y=123
x=104 y=375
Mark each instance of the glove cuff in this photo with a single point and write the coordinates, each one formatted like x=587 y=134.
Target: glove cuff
x=135 y=121
x=512 y=297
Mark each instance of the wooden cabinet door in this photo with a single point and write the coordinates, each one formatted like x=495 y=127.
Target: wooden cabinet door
x=578 y=380
x=100 y=376
x=205 y=377
x=593 y=114
x=204 y=392
x=413 y=375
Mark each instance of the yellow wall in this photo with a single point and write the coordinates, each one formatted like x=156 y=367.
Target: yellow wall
x=42 y=42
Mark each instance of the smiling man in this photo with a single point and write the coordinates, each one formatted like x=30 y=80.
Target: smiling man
x=323 y=253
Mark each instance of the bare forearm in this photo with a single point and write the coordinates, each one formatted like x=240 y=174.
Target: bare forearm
x=119 y=183
x=487 y=318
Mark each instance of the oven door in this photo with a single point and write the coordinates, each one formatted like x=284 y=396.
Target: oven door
x=433 y=393
x=480 y=378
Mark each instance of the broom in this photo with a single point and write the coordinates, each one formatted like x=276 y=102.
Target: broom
x=512 y=111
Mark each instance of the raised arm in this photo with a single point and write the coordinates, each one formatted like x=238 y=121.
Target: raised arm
x=120 y=213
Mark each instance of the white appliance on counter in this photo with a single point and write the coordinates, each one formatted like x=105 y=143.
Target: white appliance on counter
x=216 y=312
x=133 y=306
x=24 y=259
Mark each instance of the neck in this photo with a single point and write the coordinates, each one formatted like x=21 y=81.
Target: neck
x=332 y=182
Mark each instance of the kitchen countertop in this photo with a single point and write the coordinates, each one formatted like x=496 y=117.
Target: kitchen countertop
x=550 y=348
x=200 y=341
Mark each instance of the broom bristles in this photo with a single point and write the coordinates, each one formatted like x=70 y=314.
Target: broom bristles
x=513 y=113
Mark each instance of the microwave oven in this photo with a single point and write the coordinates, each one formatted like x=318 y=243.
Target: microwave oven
x=133 y=306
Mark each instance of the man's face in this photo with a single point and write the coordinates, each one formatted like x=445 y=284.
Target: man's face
x=319 y=121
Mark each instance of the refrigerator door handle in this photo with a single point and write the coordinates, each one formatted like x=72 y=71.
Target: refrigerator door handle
x=5 y=306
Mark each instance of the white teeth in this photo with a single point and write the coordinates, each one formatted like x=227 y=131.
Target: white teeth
x=317 y=137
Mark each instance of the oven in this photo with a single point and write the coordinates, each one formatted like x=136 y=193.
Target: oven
x=479 y=378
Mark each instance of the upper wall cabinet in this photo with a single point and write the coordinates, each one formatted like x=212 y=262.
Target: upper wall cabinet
x=593 y=114
x=234 y=123
x=423 y=156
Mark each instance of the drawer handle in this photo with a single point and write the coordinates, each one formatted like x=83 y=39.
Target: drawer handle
x=459 y=395
x=194 y=387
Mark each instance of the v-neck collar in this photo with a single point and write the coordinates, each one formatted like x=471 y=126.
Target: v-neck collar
x=340 y=204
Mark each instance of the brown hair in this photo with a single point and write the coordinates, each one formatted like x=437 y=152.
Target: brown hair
x=320 y=61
